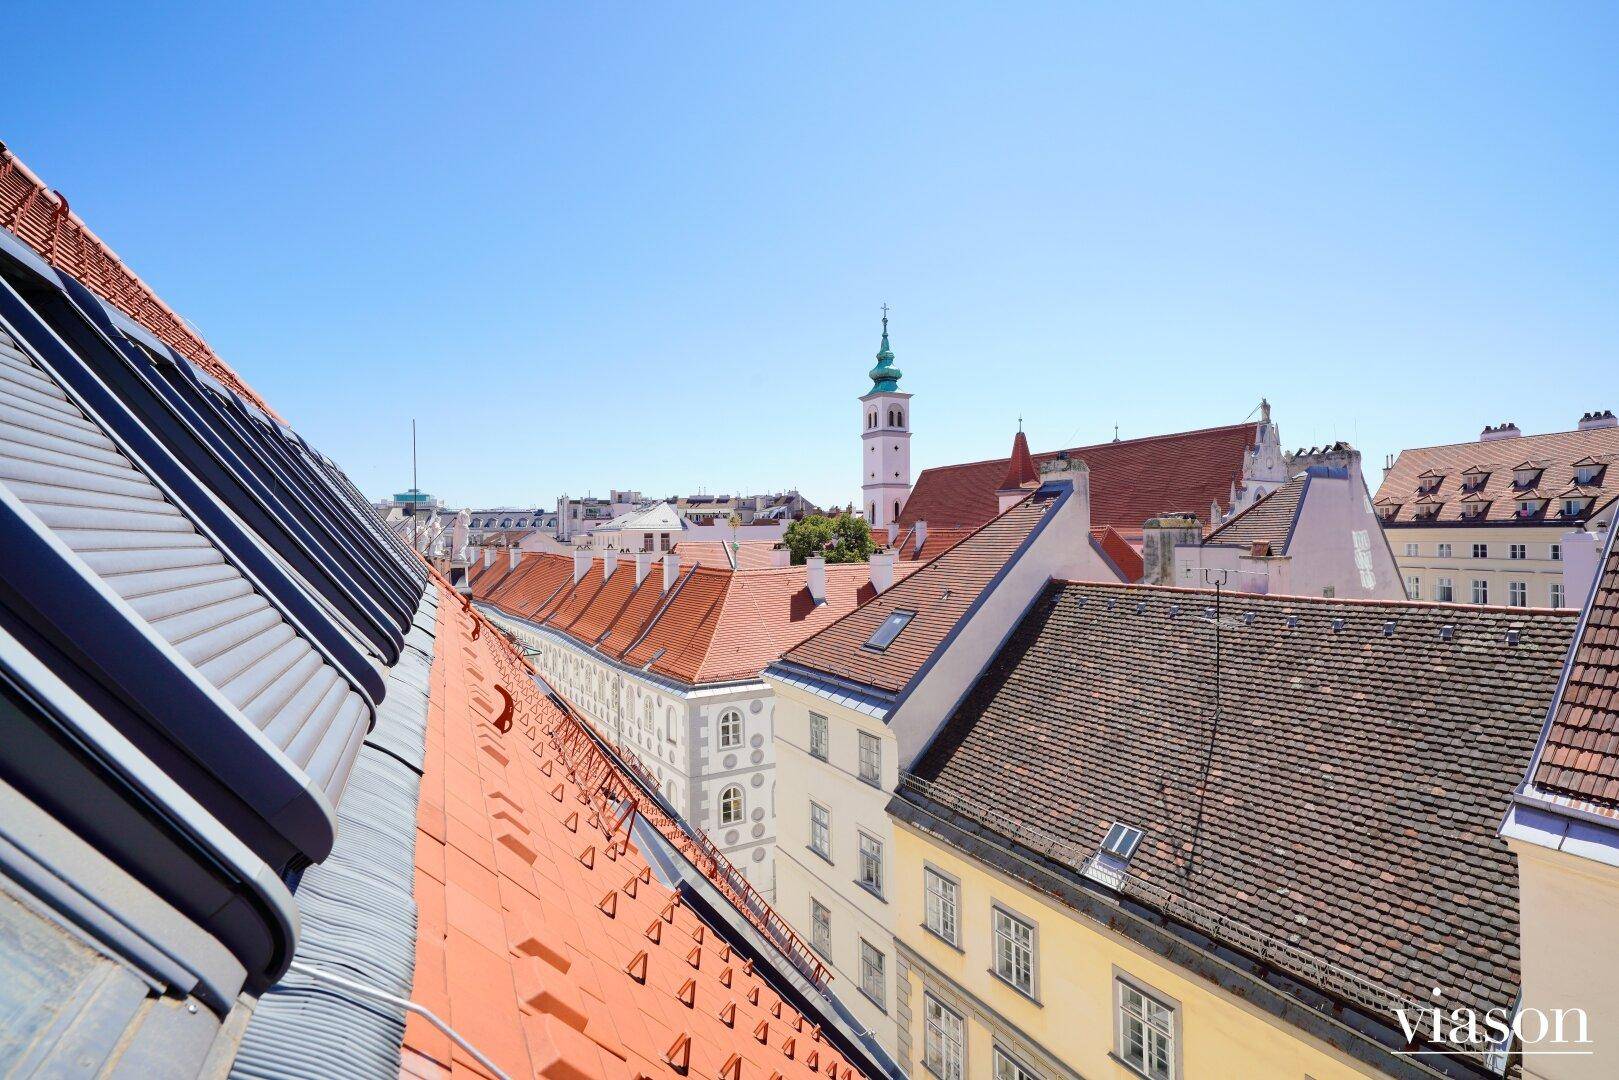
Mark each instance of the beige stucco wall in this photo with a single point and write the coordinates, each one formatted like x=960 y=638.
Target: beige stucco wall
x=1070 y=1027
x=1539 y=572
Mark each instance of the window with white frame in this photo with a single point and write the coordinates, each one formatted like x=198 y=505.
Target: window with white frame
x=1413 y=587
x=871 y=863
x=1146 y=1033
x=818 y=736
x=1481 y=551
x=1557 y=595
x=1518 y=594
x=820 y=927
x=731 y=812
x=944 y=1040
x=941 y=900
x=730 y=729
x=821 y=830
x=1008 y=1067
x=872 y=983
x=1517 y=551
x=1481 y=591
x=1444 y=551
x=1014 y=950
x=871 y=759
x=1555 y=553
x=1412 y=550
x=1444 y=590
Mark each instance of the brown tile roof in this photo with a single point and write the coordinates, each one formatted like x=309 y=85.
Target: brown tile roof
x=42 y=219
x=719 y=625
x=1557 y=453
x=939 y=593
x=1268 y=521
x=1352 y=792
x=1580 y=757
x=543 y=936
x=1131 y=480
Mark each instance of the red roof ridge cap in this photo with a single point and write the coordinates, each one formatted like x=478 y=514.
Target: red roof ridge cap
x=1100 y=445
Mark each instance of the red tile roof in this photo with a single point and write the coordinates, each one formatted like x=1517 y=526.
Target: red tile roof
x=543 y=936
x=1556 y=454
x=718 y=625
x=1120 y=550
x=1131 y=481
x=1580 y=756
x=750 y=554
x=42 y=219
x=1020 y=468
x=939 y=593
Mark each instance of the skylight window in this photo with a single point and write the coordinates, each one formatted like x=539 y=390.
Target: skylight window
x=889 y=630
x=1121 y=840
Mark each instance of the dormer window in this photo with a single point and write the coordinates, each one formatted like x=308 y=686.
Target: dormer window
x=1574 y=506
x=1474 y=508
x=1530 y=508
x=1474 y=479
x=1388 y=510
x=1587 y=472
x=1527 y=475
x=1428 y=483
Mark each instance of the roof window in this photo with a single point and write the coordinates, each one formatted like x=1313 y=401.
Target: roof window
x=1122 y=840
x=890 y=629
x=1111 y=864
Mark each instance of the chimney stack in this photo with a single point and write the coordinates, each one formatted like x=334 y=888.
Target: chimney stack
x=816 y=578
x=609 y=563
x=882 y=571
x=671 y=570
x=780 y=556
x=1582 y=556
x=643 y=566
x=489 y=556
x=1160 y=536
x=581 y=564
x=515 y=556
x=1594 y=420
x=921 y=538
x=1505 y=430
x=1074 y=472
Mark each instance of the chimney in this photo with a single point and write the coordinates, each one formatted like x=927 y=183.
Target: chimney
x=671 y=570
x=581 y=564
x=1160 y=536
x=1593 y=420
x=609 y=563
x=1504 y=430
x=882 y=571
x=1073 y=471
x=643 y=566
x=1582 y=556
x=816 y=578
x=516 y=556
x=921 y=537
x=780 y=556
x=489 y=556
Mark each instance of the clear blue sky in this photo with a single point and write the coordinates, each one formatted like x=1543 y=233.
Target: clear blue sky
x=644 y=245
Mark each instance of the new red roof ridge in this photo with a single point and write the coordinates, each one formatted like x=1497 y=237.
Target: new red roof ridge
x=1358 y=601
x=1096 y=446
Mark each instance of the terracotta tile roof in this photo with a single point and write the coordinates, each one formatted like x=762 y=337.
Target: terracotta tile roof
x=543 y=935
x=1268 y=521
x=42 y=219
x=1580 y=757
x=1556 y=453
x=1131 y=480
x=750 y=554
x=1121 y=551
x=939 y=594
x=1352 y=795
x=719 y=625
x=1020 y=468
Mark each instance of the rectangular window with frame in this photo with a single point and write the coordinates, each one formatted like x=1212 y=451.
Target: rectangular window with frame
x=1008 y=1067
x=819 y=737
x=871 y=759
x=1444 y=590
x=1444 y=551
x=821 y=831
x=1146 y=1032
x=1481 y=551
x=1481 y=591
x=1557 y=596
x=944 y=1040
x=1517 y=594
x=941 y=902
x=1412 y=550
x=1517 y=551
x=1413 y=587
x=1014 y=950
x=820 y=927
x=872 y=982
x=1555 y=553
x=871 y=863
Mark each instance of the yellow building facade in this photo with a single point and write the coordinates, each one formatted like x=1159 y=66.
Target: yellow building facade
x=1095 y=992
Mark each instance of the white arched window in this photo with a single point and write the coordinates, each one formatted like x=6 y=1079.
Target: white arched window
x=896 y=509
x=730 y=729
x=731 y=806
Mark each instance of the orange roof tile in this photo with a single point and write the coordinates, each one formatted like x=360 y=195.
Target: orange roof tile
x=1020 y=466
x=750 y=554
x=543 y=936
x=1121 y=551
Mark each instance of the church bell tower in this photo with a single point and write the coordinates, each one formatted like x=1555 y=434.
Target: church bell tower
x=885 y=440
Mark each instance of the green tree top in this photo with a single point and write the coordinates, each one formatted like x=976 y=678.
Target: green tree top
x=843 y=539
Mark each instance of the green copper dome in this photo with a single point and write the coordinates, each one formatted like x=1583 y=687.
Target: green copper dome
x=885 y=376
